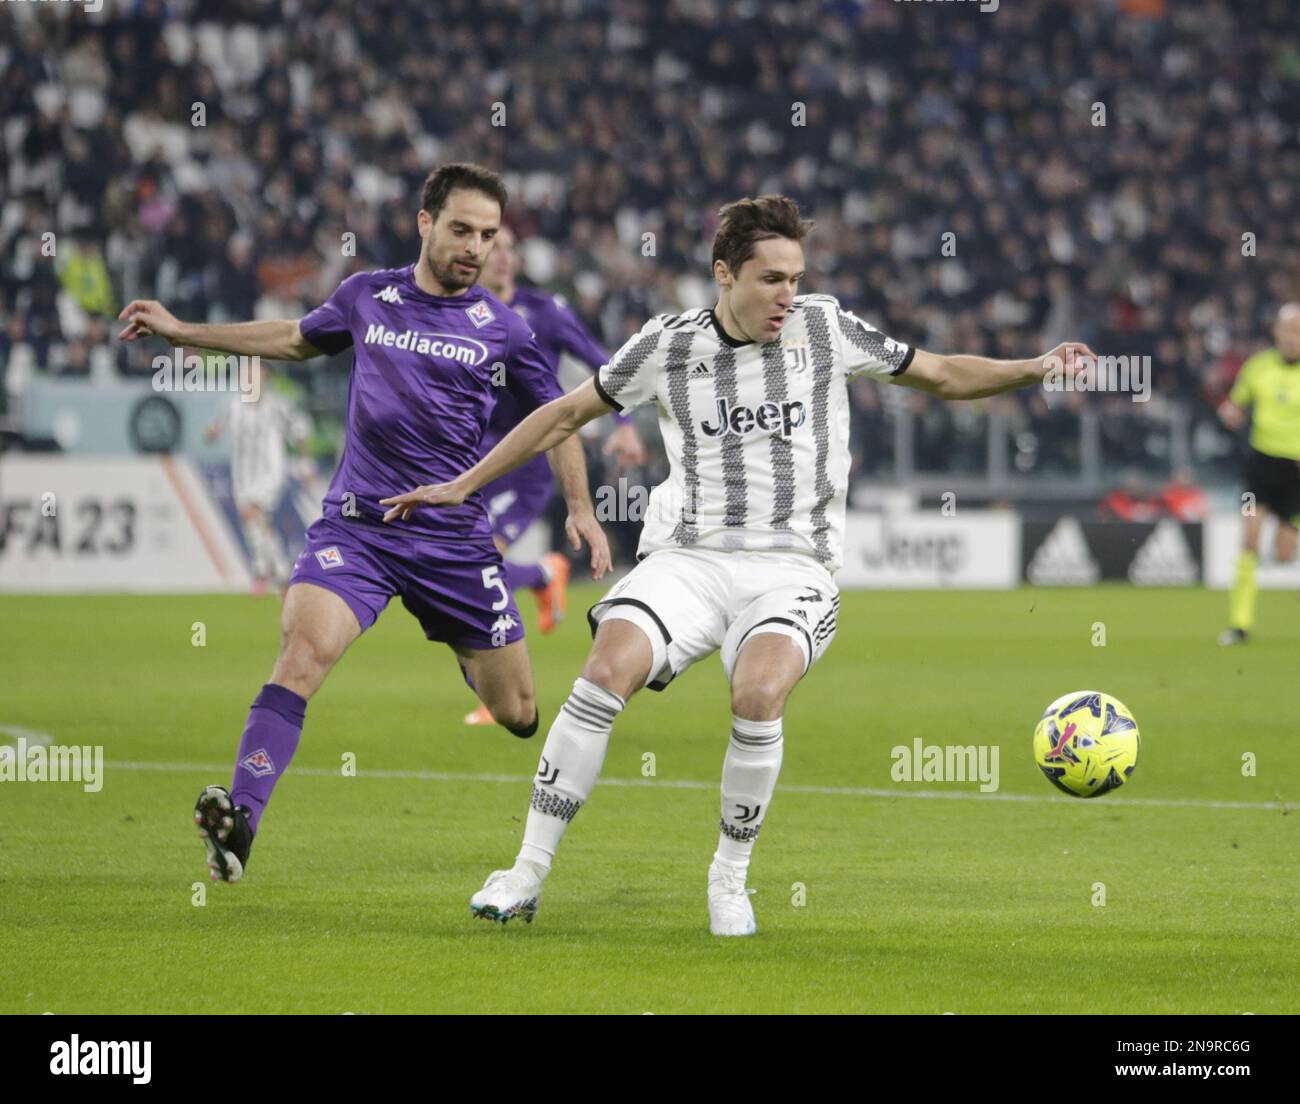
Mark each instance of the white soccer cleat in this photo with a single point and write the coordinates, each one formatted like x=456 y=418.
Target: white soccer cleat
x=509 y=893
x=730 y=912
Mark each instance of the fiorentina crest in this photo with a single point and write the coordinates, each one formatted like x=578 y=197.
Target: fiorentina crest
x=480 y=314
x=258 y=763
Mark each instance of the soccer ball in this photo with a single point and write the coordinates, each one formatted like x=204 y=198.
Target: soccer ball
x=1087 y=743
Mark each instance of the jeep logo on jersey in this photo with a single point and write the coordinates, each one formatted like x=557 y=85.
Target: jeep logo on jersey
x=463 y=350
x=770 y=417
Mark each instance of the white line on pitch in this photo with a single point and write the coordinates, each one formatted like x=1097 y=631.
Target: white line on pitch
x=689 y=784
x=33 y=738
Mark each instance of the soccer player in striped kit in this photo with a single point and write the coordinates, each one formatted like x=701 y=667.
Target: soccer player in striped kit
x=259 y=469
x=740 y=544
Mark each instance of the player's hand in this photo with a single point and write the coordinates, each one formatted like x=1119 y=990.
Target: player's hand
x=1231 y=415
x=148 y=316
x=431 y=494
x=582 y=525
x=626 y=446
x=1067 y=358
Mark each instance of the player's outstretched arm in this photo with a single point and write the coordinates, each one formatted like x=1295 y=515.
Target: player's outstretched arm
x=541 y=431
x=975 y=377
x=280 y=339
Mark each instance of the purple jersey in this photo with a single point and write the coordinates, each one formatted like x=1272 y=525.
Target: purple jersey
x=559 y=330
x=520 y=496
x=427 y=373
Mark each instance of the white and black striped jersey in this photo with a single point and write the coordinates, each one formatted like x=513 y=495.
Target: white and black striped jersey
x=258 y=435
x=757 y=435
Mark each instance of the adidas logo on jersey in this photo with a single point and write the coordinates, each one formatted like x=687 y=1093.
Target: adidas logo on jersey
x=390 y=294
x=701 y=369
x=770 y=417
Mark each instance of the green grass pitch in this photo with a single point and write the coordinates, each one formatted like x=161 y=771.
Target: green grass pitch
x=916 y=897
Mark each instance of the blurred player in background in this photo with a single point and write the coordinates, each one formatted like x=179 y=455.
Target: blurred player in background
x=259 y=470
x=518 y=499
x=432 y=351
x=1269 y=385
x=741 y=542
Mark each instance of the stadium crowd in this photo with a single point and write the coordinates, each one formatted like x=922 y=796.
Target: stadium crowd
x=1123 y=172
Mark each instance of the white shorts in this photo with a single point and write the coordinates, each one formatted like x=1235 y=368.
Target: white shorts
x=263 y=492
x=691 y=602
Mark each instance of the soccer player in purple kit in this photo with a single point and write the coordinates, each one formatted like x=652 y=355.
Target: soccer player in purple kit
x=434 y=351
x=520 y=497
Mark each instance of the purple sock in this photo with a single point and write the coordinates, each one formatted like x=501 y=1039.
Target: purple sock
x=266 y=748
x=525 y=576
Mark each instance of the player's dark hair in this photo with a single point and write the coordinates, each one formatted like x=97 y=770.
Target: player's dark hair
x=749 y=221
x=445 y=179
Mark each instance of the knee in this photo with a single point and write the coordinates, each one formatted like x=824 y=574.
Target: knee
x=609 y=674
x=753 y=700
x=303 y=661
x=517 y=711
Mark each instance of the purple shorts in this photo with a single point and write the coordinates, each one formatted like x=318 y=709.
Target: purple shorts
x=518 y=499
x=455 y=592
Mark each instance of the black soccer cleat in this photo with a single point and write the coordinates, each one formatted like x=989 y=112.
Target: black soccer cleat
x=1229 y=637
x=223 y=827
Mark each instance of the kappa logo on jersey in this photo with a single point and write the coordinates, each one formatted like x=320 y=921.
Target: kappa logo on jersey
x=258 y=763
x=770 y=417
x=330 y=557
x=390 y=294
x=463 y=350
x=501 y=630
x=480 y=314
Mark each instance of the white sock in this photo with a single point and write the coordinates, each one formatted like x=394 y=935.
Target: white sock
x=257 y=550
x=571 y=762
x=269 y=561
x=749 y=775
x=278 y=561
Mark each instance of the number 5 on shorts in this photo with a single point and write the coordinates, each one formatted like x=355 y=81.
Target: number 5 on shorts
x=492 y=578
